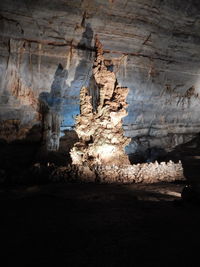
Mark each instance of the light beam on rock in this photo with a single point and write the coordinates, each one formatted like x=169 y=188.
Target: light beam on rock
x=100 y=131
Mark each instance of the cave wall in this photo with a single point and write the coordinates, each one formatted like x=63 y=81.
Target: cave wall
x=47 y=53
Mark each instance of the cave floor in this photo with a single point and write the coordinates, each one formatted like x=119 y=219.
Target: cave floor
x=98 y=225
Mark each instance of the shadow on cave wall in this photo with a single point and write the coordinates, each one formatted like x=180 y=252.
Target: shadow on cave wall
x=85 y=45
x=82 y=77
x=189 y=154
x=18 y=155
x=52 y=105
x=156 y=153
x=151 y=154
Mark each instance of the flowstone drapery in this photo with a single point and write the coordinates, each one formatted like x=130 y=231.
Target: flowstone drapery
x=99 y=125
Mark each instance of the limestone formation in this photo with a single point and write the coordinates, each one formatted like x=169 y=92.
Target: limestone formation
x=139 y=37
x=100 y=131
x=127 y=174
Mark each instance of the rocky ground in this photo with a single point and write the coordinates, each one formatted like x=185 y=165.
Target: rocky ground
x=98 y=225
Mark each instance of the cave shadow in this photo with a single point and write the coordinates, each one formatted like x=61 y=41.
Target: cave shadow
x=52 y=105
x=190 y=148
x=21 y=154
x=86 y=39
x=85 y=51
x=81 y=78
x=18 y=155
x=189 y=155
x=93 y=224
x=54 y=98
x=151 y=154
x=188 y=151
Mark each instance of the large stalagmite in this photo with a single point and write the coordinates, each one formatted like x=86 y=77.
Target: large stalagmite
x=99 y=125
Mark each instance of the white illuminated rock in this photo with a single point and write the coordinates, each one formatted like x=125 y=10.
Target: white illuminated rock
x=100 y=132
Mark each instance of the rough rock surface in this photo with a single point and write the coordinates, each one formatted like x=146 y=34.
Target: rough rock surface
x=46 y=50
x=99 y=125
x=138 y=173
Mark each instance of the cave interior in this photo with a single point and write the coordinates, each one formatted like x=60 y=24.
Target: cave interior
x=100 y=132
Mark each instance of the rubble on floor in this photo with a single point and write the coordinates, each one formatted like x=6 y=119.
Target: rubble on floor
x=124 y=174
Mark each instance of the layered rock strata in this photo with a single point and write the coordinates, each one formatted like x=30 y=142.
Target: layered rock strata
x=139 y=36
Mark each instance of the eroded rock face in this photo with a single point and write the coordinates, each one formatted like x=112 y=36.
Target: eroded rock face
x=156 y=58
x=99 y=126
x=126 y=174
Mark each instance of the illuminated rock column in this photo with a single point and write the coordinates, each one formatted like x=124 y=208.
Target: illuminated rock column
x=100 y=131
